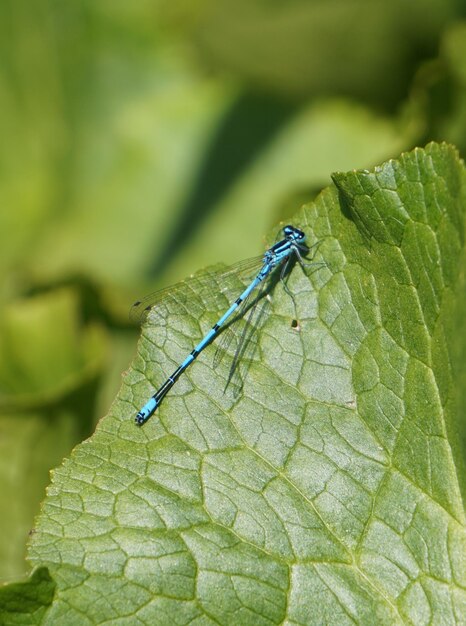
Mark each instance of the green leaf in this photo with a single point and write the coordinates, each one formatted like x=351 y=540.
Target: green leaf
x=303 y=48
x=103 y=124
x=45 y=325
x=323 y=136
x=113 y=140
x=25 y=602
x=49 y=361
x=329 y=490
x=446 y=88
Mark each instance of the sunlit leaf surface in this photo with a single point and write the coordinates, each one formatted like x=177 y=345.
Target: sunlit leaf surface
x=329 y=491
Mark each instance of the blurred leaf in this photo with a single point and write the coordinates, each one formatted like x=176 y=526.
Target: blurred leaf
x=102 y=125
x=116 y=227
x=31 y=127
x=454 y=50
x=322 y=137
x=46 y=353
x=329 y=491
x=136 y=167
x=453 y=125
x=438 y=95
x=25 y=602
x=359 y=48
x=48 y=373
x=122 y=352
x=103 y=159
x=30 y=444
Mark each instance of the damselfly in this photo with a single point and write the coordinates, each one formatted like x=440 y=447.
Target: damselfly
x=281 y=254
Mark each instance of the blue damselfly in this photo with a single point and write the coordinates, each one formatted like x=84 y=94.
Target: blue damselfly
x=281 y=254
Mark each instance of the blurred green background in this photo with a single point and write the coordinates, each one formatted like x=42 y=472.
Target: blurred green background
x=140 y=141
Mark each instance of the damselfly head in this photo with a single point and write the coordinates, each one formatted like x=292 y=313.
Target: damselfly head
x=293 y=234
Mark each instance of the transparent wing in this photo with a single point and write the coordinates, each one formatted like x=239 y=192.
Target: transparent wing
x=254 y=313
x=247 y=342
x=228 y=335
x=242 y=334
x=199 y=288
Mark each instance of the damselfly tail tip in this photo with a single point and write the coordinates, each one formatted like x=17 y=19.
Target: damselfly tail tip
x=140 y=419
x=146 y=411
